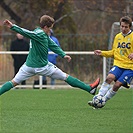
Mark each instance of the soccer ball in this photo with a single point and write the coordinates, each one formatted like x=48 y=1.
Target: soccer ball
x=98 y=101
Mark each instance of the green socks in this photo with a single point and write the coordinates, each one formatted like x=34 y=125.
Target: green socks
x=6 y=87
x=74 y=82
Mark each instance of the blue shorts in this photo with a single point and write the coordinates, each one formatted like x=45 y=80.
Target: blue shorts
x=124 y=76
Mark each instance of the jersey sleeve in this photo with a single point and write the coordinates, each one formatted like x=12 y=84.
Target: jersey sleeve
x=35 y=35
x=108 y=54
x=55 y=48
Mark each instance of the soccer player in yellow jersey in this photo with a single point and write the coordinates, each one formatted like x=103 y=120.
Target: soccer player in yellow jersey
x=122 y=52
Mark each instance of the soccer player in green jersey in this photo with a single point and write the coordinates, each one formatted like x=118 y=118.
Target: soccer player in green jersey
x=37 y=62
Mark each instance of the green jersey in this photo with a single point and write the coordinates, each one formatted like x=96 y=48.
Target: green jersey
x=39 y=45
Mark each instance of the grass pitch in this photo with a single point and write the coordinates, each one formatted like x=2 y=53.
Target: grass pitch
x=63 y=111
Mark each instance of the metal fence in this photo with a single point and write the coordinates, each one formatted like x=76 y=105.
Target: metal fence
x=87 y=67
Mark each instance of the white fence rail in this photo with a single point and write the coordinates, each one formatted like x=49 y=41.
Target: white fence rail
x=88 y=53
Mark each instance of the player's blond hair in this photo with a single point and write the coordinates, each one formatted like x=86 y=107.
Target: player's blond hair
x=46 y=20
x=127 y=20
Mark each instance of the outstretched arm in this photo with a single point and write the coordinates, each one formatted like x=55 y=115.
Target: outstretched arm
x=27 y=33
x=109 y=53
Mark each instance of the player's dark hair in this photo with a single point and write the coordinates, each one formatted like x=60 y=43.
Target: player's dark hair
x=46 y=20
x=126 y=19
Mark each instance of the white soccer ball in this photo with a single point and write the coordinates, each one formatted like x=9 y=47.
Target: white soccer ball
x=98 y=101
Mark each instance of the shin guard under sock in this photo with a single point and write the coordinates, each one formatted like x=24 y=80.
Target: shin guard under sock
x=6 y=87
x=74 y=82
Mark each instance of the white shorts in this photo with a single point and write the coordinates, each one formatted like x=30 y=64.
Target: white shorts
x=49 y=70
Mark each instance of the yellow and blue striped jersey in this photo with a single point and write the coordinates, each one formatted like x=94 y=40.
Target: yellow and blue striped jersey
x=122 y=47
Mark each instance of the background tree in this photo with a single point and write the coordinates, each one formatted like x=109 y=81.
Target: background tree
x=72 y=16
x=26 y=13
x=81 y=25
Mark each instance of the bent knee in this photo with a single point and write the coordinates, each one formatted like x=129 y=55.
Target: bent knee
x=110 y=78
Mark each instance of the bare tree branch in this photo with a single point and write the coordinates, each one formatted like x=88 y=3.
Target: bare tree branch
x=66 y=15
x=10 y=11
x=59 y=9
